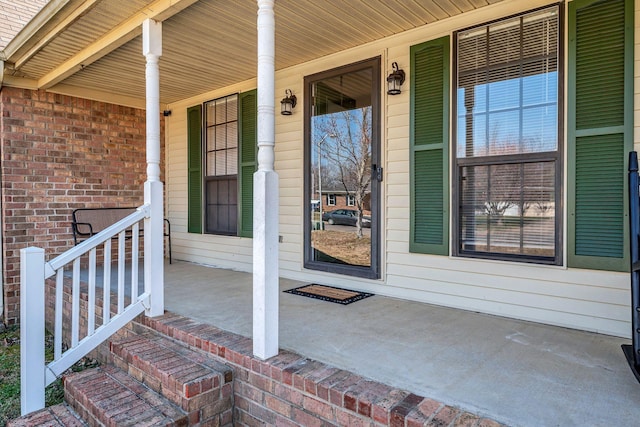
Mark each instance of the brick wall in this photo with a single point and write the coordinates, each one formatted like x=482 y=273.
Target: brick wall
x=59 y=153
x=341 y=203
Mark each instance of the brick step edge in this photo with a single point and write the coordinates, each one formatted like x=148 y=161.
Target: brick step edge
x=351 y=399
x=58 y=415
x=190 y=379
x=108 y=396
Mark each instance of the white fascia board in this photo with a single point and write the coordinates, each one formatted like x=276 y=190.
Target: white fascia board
x=29 y=30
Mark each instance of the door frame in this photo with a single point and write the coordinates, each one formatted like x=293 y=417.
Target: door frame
x=373 y=271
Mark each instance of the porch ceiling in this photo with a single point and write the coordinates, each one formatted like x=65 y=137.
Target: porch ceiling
x=94 y=46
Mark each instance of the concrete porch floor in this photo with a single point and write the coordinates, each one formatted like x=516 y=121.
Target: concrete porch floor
x=516 y=372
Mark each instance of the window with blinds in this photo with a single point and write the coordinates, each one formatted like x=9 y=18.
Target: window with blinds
x=221 y=165
x=222 y=151
x=508 y=165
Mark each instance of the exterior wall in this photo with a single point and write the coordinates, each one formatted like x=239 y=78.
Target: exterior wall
x=60 y=153
x=577 y=298
x=341 y=202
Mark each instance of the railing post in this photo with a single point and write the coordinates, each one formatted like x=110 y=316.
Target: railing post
x=32 y=310
x=153 y=192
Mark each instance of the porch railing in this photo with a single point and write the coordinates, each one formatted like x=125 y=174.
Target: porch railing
x=82 y=336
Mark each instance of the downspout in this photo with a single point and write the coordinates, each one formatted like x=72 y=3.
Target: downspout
x=1 y=203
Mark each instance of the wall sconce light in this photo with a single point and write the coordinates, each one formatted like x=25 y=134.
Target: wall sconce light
x=395 y=80
x=288 y=103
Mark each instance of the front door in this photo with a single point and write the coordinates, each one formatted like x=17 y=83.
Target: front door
x=342 y=170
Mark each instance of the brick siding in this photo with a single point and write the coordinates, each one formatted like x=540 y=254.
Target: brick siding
x=60 y=153
x=341 y=203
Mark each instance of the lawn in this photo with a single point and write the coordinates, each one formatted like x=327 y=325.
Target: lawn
x=10 y=374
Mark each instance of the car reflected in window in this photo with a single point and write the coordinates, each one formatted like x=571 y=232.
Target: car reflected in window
x=345 y=217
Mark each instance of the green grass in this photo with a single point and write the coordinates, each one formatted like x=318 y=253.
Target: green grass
x=10 y=374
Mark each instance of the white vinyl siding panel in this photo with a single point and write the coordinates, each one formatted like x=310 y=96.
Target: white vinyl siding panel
x=577 y=298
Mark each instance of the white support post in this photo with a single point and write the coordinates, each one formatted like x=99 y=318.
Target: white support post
x=153 y=192
x=265 y=195
x=32 y=368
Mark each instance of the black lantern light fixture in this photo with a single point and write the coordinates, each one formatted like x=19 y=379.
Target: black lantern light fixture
x=395 y=80
x=288 y=103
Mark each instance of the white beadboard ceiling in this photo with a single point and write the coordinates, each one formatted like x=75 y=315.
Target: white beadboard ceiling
x=95 y=45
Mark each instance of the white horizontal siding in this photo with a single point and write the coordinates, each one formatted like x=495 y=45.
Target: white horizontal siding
x=583 y=299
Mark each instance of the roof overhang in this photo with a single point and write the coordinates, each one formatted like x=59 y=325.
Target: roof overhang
x=92 y=48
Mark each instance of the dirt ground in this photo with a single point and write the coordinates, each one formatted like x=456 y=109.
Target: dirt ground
x=344 y=246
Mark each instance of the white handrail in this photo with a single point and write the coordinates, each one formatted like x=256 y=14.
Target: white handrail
x=33 y=273
x=95 y=240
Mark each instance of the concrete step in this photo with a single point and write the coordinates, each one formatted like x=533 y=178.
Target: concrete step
x=108 y=396
x=61 y=415
x=188 y=378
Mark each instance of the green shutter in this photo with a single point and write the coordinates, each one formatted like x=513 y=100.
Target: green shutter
x=600 y=130
x=248 y=149
x=194 y=166
x=429 y=155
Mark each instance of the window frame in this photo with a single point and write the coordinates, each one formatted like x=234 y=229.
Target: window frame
x=558 y=156
x=373 y=271
x=209 y=179
x=350 y=200
x=331 y=199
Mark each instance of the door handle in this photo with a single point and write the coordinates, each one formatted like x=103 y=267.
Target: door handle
x=377 y=172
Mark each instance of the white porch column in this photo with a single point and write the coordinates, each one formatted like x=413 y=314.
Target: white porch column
x=265 y=195
x=153 y=193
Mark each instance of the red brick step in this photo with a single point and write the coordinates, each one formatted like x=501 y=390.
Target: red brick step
x=61 y=415
x=108 y=396
x=189 y=379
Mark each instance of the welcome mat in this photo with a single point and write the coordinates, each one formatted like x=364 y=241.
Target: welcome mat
x=329 y=293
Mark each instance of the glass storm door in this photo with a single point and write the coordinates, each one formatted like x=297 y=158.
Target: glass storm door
x=342 y=172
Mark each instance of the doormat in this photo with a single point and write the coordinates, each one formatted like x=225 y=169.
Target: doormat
x=329 y=293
